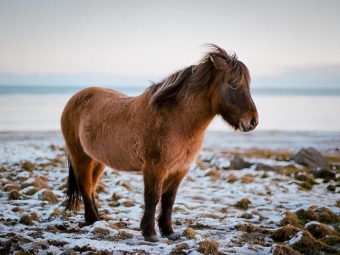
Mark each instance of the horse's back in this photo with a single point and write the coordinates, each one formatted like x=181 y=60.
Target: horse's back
x=98 y=121
x=86 y=102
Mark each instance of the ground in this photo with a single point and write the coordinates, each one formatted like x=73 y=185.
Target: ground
x=274 y=206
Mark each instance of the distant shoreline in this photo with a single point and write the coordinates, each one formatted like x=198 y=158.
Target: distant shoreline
x=135 y=90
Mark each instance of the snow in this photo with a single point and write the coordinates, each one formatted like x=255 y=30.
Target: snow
x=296 y=239
x=203 y=203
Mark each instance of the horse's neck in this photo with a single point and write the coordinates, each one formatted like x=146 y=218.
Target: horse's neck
x=197 y=114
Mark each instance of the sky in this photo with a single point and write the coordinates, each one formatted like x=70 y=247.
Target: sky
x=283 y=43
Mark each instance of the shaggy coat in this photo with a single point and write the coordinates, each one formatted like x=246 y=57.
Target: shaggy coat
x=158 y=133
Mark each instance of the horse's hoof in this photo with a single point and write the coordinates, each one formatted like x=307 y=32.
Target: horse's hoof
x=152 y=239
x=173 y=236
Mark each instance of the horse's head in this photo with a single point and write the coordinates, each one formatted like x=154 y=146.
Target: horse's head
x=231 y=94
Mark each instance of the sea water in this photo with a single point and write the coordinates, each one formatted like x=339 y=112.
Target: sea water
x=38 y=108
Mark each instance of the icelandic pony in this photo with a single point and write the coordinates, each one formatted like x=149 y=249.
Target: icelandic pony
x=158 y=133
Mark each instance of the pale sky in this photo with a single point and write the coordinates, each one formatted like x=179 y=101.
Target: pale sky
x=151 y=39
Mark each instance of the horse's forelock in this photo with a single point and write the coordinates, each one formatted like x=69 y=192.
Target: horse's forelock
x=236 y=68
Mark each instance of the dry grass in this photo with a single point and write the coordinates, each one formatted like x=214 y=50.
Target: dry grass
x=232 y=178
x=248 y=178
x=285 y=233
x=38 y=183
x=178 y=250
x=243 y=203
x=208 y=247
x=214 y=174
x=189 y=233
x=26 y=220
x=291 y=218
x=284 y=250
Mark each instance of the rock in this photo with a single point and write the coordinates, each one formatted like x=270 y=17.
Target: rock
x=311 y=158
x=323 y=173
x=264 y=167
x=237 y=163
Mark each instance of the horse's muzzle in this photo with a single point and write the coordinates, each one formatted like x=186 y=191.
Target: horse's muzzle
x=248 y=124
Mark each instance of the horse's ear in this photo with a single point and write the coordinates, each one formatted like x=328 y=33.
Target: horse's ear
x=219 y=62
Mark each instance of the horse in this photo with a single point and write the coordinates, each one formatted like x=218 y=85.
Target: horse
x=158 y=133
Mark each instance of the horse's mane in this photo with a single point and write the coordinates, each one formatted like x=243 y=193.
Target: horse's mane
x=192 y=80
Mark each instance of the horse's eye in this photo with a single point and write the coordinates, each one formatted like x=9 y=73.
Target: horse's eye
x=233 y=85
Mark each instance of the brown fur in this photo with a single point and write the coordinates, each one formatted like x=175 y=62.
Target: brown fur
x=158 y=133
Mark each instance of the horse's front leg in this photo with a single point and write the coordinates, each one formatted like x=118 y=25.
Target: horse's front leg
x=170 y=187
x=153 y=181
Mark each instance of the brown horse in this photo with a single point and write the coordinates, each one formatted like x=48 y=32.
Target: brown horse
x=159 y=132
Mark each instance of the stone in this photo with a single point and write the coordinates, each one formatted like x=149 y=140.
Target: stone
x=264 y=167
x=237 y=163
x=311 y=158
x=323 y=173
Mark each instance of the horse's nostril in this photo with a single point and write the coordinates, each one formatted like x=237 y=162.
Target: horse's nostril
x=253 y=122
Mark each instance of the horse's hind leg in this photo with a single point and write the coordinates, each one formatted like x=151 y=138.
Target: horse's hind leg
x=170 y=187
x=84 y=167
x=97 y=171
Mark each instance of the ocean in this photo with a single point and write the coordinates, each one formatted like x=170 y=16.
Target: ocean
x=38 y=108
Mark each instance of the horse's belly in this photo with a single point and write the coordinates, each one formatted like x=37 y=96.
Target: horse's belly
x=114 y=150
x=124 y=163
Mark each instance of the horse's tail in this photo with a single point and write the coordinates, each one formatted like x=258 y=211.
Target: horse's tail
x=72 y=193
